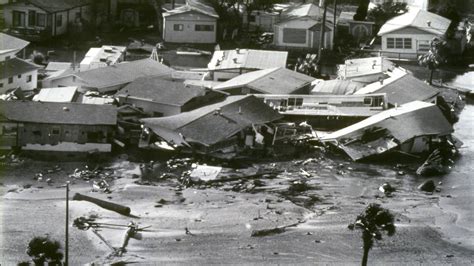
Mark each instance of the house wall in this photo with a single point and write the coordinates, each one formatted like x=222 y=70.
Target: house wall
x=262 y=20
x=52 y=134
x=8 y=134
x=188 y=34
x=418 y=38
x=21 y=82
x=312 y=37
x=8 y=55
x=23 y=7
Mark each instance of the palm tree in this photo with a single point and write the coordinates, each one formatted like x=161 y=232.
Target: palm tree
x=373 y=221
x=436 y=56
x=44 y=250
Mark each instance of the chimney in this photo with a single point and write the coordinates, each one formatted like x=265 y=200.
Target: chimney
x=428 y=23
x=237 y=50
x=235 y=60
x=240 y=110
x=381 y=81
x=217 y=111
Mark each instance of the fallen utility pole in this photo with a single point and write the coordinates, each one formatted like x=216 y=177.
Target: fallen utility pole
x=124 y=210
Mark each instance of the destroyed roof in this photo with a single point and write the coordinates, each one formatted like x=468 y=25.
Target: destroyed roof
x=10 y=43
x=161 y=90
x=273 y=81
x=401 y=88
x=419 y=19
x=213 y=123
x=58 y=5
x=60 y=94
x=336 y=87
x=364 y=66
x=193 y=5
x=60 y=113
x=121 y=73
x=109 y=53
x=305 y=10
x=15 y=66
x=247 y=58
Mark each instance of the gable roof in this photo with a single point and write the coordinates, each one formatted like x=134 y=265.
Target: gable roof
x=10 y=43
x=417 y=18
x=60 y=94
x=57 y=5
x=193 y=5
x=213 y=123
x=118 y=74
x=15 y=66
x=59 y=113
x=247 y=58
x=272 y=81
x=401 y=88
x=161 y=90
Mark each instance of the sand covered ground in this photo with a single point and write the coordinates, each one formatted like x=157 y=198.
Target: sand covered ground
x=222 y=217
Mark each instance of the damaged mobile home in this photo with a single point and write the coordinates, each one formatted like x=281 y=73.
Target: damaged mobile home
x=223 y=127
x=411 y=128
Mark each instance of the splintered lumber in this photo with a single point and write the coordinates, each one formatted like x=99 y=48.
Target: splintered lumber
x=124 y=210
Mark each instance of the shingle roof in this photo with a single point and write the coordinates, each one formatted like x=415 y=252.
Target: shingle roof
x=417 y=18
x=272 y=81
x=10 y=43
x=193 y=5
x=59 y=113
x=58 y=5
x=211 y=124
x=161 y=90
x=247 y=58
x=121 y=73
x=15 y=66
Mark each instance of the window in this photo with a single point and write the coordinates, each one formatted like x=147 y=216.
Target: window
x=29 y=78
x=1 y=85
x=31 y=18
x=18 y=19
x=59 y=20
x=178 y=27
x=399 y=43
x=40 y=20
x=204 y=28
x=252 y=18
x=291 y=35
x=423 y=46
x=390 y=43
x=37 y=133
x=55 y=131
x=19 y=76
x=10 y=80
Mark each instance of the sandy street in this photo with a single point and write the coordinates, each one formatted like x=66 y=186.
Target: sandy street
x=221 y=218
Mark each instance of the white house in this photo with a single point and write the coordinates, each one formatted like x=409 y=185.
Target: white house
x=35 y=19
x=102 y=56
x=300 y=27
x=227 y=64
x=17 y=73
x=10 y=46
x=261 y=19
x=194 y=22
x=408 y=35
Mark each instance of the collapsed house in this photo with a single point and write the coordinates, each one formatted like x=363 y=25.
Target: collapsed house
x=411 y=128
x=223 y=127
x=59 y=127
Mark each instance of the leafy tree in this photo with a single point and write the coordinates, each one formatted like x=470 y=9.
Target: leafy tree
x=361 y=12
x=386 y=11
x=449 y=10
x=373 y=222
x=44 y=250
x=436 y=56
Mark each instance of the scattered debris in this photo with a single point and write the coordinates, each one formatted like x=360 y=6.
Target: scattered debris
x=427 y=186
x=387 y=189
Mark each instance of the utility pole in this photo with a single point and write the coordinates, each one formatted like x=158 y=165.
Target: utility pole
x=334 y=25
x=323 y=26
x=66 y=244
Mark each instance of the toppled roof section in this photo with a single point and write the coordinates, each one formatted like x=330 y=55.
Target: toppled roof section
x=9 y=43
x=61 y=94
x=57 y=66
x=102 y=56
x=214 y=123
x=121 y=73
x=193 y=5
x=59 y=113
x=58 y=5
x=248 y=59
x=15 y=66
x=419 y=19
x=401 y=88
x=161 y=90
x=272 y=81
x=389 y=129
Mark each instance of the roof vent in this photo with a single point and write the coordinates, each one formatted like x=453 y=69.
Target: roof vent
x=65 y=109
x=217 y=111
x=237 y=50
x=428 y=23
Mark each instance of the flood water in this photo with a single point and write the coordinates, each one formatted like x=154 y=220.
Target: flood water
x=459 y=183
